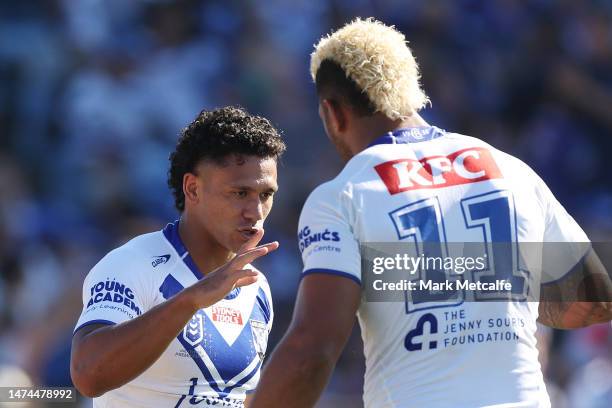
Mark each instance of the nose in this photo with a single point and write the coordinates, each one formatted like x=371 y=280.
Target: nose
x=253 y=211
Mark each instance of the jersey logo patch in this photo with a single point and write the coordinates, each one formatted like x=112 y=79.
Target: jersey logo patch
x=461 y=167
x=194 y=330
x=224 y=314
x=226 y=366
x=162 y=259
x=115 y=292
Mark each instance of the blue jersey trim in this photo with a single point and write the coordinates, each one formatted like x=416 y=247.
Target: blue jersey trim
x=216 y=347
x=170 y=287
x=97 y=321
x=227 y=389
x=171 y=232
x=264 y=304
x=409 y=135
x=331 y=272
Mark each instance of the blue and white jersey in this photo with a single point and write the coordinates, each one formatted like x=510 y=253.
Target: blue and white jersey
x=214 y=361
x=425 y=185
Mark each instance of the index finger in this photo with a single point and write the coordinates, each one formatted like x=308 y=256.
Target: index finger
x=252 y=241
x=245 y=258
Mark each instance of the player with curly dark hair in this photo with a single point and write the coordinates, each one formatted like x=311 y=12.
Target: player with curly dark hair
x=179 y=315
x=214 y=136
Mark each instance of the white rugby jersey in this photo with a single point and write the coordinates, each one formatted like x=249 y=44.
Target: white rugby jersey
x=426 y=185
x=214 y=361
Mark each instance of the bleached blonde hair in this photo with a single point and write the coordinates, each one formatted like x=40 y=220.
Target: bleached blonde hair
x=377 y=58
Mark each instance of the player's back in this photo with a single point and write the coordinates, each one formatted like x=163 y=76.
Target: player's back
x=430 y=189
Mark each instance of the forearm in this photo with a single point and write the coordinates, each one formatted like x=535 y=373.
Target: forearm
x=297 y=372
x=104 y=358
x=582 y=298
x=111 y=356
x=574 y=315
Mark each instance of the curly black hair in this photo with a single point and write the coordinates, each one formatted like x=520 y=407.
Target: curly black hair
x=216 y=134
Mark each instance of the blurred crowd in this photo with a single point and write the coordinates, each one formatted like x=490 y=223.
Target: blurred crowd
x=93 y=94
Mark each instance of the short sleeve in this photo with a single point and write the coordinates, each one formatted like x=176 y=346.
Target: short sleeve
x=113 y=291
x=325 y=237
x=565 y=243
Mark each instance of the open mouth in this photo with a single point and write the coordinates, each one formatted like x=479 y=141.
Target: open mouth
x=247 y=232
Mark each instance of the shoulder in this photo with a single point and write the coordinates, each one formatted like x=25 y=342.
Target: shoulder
x=338 y=193
x=501 y=157
x=460 y=138
x=328 y=204
x=508 y=164
x=325 y=194
x=138 y=257
x=358 y=169
x=521 y=177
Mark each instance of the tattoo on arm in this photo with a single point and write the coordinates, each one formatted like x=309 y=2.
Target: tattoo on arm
x=582 y=298
x=551 y=313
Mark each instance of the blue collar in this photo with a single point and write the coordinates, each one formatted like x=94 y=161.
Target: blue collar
x=409 y=135
x=171 y=232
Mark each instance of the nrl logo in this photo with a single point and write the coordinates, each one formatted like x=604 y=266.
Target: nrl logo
x=193 y=332
x=162 y=259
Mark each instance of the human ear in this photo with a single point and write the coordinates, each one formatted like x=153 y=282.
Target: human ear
x=333 y=115
x=190 y=188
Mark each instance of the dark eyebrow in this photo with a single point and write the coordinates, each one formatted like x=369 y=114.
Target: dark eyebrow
x=247 y=188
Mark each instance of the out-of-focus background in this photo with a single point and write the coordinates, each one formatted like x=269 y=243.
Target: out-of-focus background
x=93 y=94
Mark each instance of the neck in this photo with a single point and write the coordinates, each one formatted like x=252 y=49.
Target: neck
x=205 y=251
x=370 y=128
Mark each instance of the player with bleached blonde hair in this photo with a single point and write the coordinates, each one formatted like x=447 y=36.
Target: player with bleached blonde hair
x=377 y=59
x=411 y=183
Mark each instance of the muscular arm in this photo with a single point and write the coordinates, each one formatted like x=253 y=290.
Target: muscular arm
x=106 y=357
x=582 y=298
x=303 y=361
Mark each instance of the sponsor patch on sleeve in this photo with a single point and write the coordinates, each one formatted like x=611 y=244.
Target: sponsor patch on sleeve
x=113 y=294
x=307 y=237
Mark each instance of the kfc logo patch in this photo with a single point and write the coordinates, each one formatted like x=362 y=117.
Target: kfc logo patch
x=461 y=167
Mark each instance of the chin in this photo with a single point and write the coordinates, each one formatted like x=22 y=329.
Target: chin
x=235 y=243
x=235 y=248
